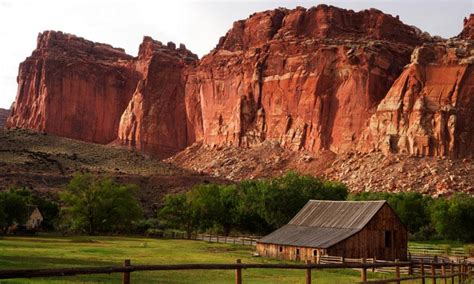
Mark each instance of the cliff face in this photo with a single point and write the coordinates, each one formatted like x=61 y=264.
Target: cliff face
x=308 y=79
x=155 y=120
x=305 y=79
x=73 y=88
x=429 y=109
x=4 y=113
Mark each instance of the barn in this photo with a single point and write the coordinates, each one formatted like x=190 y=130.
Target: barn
x=352 y=229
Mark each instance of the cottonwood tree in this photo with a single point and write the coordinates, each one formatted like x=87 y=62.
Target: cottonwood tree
x=99 y=205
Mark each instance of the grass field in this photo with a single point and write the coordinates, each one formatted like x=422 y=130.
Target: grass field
x=62 y=252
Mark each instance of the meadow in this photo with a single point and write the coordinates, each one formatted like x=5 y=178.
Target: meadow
x=62 y=252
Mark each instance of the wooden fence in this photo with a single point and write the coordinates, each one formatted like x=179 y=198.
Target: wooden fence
x=461 y=271
x=414 y=249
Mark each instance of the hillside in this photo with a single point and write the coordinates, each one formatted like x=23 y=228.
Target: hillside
x=4 y=113
x=436 y=176
x=45 y=163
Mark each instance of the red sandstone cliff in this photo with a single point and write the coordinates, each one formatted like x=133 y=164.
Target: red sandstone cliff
x=155 y=119
x=309 y=79
x=4 y=113
x=74 y=88
x=305 y=79
x=430 y=108
x=468 y=30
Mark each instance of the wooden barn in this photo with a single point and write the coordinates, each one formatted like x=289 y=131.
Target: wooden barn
x=352 y=229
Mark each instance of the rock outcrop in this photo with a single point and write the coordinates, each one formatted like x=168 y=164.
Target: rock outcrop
x=155 y=119
x=429 y=109
x=468 y=30
x=74 y=88
x=4 y=113
x=309 y=79
x=313 y=80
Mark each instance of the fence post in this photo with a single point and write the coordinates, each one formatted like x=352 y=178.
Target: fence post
x=210 y=236
x=363 y=272
x=452 y=272
x=422 y=271
x=397 y=271
x=238 y=273
x=433 y=273
x=410 y=267
x=308 y=273
x=126 y=275
x=374 y=260
x=443 y=273
x=461 y=271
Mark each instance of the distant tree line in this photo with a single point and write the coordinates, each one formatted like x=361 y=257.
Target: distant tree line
x=430 y=218
x=251 y=206
x=95 y=205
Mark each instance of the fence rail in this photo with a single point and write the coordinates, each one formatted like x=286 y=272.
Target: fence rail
x=416 y=249
x=463 y=271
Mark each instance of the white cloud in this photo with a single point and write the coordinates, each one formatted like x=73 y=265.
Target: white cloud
x=196 y=23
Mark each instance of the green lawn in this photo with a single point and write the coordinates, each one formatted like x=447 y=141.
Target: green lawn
x=58 y=252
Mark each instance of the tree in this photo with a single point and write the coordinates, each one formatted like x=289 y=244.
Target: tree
x=178 y=213
x=97 y=205
x=454 y=218
x=411 y=207
x=284 y=196
x=13 y=209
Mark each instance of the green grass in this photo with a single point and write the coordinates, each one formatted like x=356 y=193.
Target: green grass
x=63 y=252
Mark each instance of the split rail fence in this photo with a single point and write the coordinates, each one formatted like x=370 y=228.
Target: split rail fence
x=462 y=272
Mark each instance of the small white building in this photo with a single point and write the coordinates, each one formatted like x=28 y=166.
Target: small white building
x=34 y=220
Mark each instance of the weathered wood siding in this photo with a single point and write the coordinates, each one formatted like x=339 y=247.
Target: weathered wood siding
x=370 y=241
x=289 y=252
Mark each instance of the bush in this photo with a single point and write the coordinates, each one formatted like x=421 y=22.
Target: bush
x=94 y=205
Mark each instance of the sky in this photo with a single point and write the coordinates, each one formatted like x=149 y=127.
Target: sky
x=197 y=23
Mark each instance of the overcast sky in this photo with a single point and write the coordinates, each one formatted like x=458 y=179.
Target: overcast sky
x=198 y=24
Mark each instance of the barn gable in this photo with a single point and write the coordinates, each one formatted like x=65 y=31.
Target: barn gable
x=322 y=224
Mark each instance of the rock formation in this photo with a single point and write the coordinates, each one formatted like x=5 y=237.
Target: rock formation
x=429 y=109
x=4 y=113
x=468 y=30
x=305 y=79
x=308 y=79
x=155 y=119
x=74 y=88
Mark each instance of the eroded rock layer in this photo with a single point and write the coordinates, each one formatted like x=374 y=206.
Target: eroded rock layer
x=468 y=30
x=309 y=79
x=430 y=108
x=305 y=79
x=74 y=88
x=155 y=119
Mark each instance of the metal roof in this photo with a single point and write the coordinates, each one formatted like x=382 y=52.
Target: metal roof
x=322 y=224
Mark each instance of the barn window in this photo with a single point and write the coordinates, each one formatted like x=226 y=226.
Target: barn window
x=297 y=251
x=315 y=252
x=388 y=239
x=281 y=249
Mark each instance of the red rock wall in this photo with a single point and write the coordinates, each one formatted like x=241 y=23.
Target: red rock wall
x=429 y=109
x=468 y=30
x=316 y=79
x=309 y=79
x=155 y=120
x=73 y=88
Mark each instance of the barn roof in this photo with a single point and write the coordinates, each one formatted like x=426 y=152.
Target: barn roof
x=322 y=224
